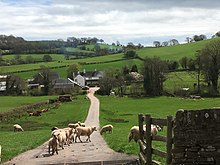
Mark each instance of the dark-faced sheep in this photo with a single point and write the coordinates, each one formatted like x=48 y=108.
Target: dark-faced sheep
x=81 y=124
x=84 y=131
x=106 y=128
x=18 y=128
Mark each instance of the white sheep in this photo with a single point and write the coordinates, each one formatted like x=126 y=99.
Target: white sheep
x=53 y=143
x=17 y=127
x=71 y=125
x=106 y=128
x=84 y=131
x=61 y=134
x=69 y=132
x=134 y=132
x=81 y=124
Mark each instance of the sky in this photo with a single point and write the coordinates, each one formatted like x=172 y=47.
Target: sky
x=137 y=21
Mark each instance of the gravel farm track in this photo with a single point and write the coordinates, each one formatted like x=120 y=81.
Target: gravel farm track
x=94 y=153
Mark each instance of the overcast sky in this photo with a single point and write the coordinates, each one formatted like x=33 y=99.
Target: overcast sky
x=137 y=21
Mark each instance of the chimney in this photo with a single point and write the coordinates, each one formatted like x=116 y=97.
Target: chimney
x=84 y=71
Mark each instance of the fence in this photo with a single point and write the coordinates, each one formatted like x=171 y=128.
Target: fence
x=145 y=142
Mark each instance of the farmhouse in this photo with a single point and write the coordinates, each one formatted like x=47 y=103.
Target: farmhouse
x=88 y=78
x=3 y=83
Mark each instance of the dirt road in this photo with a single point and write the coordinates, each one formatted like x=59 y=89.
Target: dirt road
x=94 y=151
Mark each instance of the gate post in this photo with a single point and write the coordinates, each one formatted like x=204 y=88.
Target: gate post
x=148 y=139
x=169 y=139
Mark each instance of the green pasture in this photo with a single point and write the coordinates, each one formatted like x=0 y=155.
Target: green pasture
x=173 y=52
x=10 y=102
x=37 y=57
x=37 y=129
x=70 y=49
x=122 y=113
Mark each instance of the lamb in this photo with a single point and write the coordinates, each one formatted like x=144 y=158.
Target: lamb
x=106 y=128
x=53 y=142
x=84 y=131
x=81 y=124
x=61 y=134
x=134 y=132
x=17 y=127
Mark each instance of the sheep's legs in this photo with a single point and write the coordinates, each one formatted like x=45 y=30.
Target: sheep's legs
x=88 y=139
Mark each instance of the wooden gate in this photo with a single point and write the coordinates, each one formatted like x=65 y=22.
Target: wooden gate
x=145 y=142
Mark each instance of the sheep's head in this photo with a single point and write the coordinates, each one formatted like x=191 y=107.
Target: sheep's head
x=94 y=128
x=158 y=128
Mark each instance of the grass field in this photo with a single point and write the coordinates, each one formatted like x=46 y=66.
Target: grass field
x=122 y=113
x=37 y=129
x=10 y=102
x=173 y=52
x=37 y=57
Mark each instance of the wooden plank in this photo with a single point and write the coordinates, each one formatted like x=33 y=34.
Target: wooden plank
x=159 y=138
x=148 y=139
x=142 y=158
x=169 y=139
x=160 y=122
x=159 y=153
x=156 y=162
x=142 y=146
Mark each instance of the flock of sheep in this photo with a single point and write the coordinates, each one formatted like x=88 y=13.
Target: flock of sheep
x=65 y=136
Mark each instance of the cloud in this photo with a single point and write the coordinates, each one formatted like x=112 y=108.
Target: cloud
x=110 y=20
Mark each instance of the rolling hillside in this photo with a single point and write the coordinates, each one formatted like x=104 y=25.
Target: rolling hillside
x=108 y=61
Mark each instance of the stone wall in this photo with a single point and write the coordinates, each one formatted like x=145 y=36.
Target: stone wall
x=197 y=137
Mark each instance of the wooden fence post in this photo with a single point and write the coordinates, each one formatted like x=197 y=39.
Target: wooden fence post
x=169 y=139
x=148 y=139
x=140 y=123
x=0 y=153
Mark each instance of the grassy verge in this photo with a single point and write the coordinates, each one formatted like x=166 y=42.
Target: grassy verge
x=122 y=113
x=37 y=129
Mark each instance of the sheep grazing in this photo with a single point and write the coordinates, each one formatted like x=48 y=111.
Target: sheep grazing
x=84 y=131
x=53 y=143
x=134 y=132
x=81 y=124
x=106 y=128
x=18 y=128
x=71 y=125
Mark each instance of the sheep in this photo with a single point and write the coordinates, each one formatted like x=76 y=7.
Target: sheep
x=69 y=132
x=53 y=142
x=134 y=132
x=17 y=127
x=81 y=124
x=61 y=134
x=84 y=131
x=71 y=125
x=106 y=128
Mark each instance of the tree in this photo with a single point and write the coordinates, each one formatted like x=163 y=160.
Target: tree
x=14 y=85
x=153 y=72
x=29 y=59
x=134 y=68
x=210 y=63
x=173 y=42
x=183 y=62
x=156 y=44
x=129 y=54
x=46 y=81
x=47 y=58
x=74 y=68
